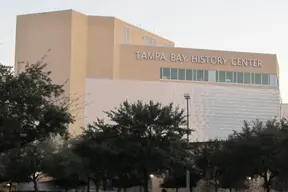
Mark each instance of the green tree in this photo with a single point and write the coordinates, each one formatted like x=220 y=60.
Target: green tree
x=66 y=168
x=32 y=107
x=151 y=133
x=26 y=164
x=177 y=179
x=207 y=159
x=98 y=152
x=258 y=150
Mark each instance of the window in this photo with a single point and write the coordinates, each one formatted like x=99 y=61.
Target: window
x=166 y=73
x=240 y=78
x=252 y=78
x=127 y=34
x=229 y=77
x=150 y=40
x=181 y=74
x=247 y=78
x=258 y=79
x=200 y=75
x=166 y=44
x=234 y=77
x=205 y=75
x=218 y=76
x=189 y=74
x=194 y=75
x=273 y=80
x=153 y=41
x=211 y=76
x=174 y=74
x=265 y=79
x=221 y=76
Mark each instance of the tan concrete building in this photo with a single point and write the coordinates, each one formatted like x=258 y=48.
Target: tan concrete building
x=105 y=61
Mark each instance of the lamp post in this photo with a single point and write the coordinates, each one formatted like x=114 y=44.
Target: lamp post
x=281 y=108
x=187 y=98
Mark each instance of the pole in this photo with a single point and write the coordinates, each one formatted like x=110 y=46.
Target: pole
x=187 y=101
x=281 y=108
x=187 y=171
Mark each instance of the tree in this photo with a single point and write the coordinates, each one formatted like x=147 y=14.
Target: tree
x=98 y=153
x=152 y=135
x=66 y=169
x=258 y=150
x=177 y=179
x=207 y=159
x=32 y=107
x=26 y=164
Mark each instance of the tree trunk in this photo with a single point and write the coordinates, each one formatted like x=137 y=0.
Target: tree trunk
x=35 y=185
x=267 y=183
x=10 y=186
x=88 y=185
x=104 y=182
x=145 y=179
x=97 y=185
x=176 y=189
x=124 y=189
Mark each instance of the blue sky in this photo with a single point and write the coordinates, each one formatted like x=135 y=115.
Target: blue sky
x=247 y=25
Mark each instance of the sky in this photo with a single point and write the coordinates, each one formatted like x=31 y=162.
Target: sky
x=248 y=25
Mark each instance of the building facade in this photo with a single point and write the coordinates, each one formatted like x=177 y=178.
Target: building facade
x=105 y=61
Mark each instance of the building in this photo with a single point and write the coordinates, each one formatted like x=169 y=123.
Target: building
x=284 y=110
x=106 y=61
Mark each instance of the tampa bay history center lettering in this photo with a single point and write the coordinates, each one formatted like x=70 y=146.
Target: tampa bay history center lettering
x=214 y=60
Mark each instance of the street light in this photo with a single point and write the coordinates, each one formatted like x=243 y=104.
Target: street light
x=187 y=97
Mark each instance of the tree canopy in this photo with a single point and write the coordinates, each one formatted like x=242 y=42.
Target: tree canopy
x=32 y=107
x=148 y=134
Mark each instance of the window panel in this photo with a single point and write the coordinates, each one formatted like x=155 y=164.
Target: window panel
x=240 y=78
x=252 y=78
x=221 y=76
x=265 y=79
x=181 y=74
x=205 y=75
x=258 y=79
x=200 y=75
x=211 y=76
x=234 y=77
x=229 y=77
x=273 y=80
x=194 y=74
x=126 y=34
x=174 y=73
x=166 y=73
x=189 y=74
x=247 y=78
x=161 y=73
x=217 y=75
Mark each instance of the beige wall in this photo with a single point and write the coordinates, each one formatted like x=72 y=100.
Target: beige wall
x=100 y=47
x=35 y=35
x=78 y=68
x=65 y=34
